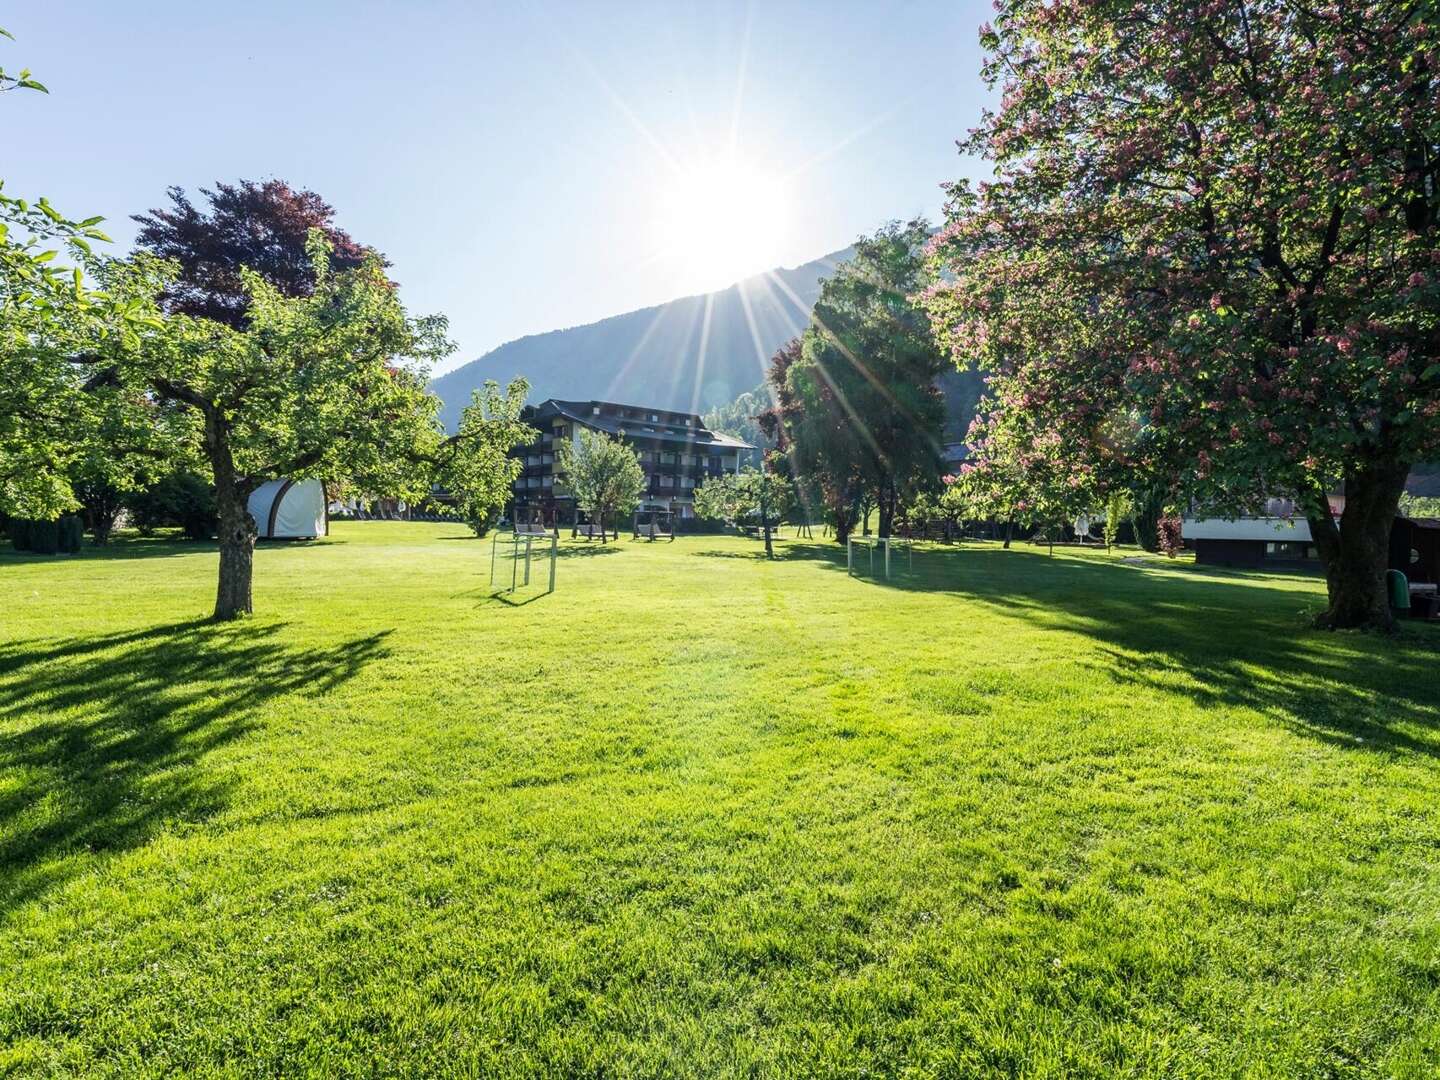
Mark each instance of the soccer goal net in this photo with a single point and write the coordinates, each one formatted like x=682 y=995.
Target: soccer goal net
x=523 y=562
x=878 y=556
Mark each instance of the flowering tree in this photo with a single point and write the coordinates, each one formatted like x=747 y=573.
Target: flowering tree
x=1210 y=258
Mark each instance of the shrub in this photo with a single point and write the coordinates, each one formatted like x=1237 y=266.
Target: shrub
x=482 y=524
x=44 y=537
x=71 y=529
x=182 y=499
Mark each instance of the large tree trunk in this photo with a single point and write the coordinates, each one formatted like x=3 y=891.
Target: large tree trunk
x=1357 y=553
x=1009 y=530
x=885 y=503
x=237 y=529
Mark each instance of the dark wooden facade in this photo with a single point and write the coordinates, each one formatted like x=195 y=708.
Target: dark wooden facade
x=677 y=453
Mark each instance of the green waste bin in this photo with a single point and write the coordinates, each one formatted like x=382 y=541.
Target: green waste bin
x=1399 y=590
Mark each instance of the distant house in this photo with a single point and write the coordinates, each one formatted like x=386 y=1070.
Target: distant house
x=677 y=453
x=1415 y=549
x=1280 y=538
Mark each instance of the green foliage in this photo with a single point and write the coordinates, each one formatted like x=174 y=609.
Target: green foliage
x=1418 y=506
x=602 y=473
x=1119 y=508
x=180 y=499
x=858 y=407
x=481 y=523
x=749 y=495
x=59 y=423
x=745 y=496
x=741 y=419
x=476 y=466
x=39 y=537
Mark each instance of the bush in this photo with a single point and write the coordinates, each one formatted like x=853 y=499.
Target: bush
x=182 y=499
x=47 y=537
x=71 y=530
x=480 y=526
x=44 y=537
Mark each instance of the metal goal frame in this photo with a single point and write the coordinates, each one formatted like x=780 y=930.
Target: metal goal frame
x=523 y=546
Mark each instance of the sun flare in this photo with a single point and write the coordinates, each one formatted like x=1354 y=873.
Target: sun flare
x=721 y=221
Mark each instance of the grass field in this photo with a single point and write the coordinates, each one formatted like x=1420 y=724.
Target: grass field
x=697 y=814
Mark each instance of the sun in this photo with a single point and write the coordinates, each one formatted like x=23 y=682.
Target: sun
x=719 y=221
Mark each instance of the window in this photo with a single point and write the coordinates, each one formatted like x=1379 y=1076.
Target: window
x=1288 y=549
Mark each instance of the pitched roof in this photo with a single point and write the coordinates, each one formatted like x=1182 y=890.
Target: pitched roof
x=582 y=412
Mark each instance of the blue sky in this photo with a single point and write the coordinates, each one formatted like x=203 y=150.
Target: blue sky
x=525 y=166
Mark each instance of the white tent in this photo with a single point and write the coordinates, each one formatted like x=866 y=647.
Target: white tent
x=289 y=509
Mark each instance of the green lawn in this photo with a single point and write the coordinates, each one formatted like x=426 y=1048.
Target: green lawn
x=697 y=814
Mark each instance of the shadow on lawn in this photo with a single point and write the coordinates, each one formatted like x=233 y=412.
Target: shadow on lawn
x=146 y=707
x=1223 y=639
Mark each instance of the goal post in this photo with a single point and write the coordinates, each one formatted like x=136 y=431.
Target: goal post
x=889 y=557
x=521 y=561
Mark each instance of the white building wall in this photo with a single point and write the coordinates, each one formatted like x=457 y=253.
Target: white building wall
x=1293 y=530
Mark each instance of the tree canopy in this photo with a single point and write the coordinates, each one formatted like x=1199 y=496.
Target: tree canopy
x=260 y=227
x=603 y=474
x=478 y=468
x=858 y=411
x=750 y=494
x=1210 y=256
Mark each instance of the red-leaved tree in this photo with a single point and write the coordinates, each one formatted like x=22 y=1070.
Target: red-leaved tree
x=262 y=227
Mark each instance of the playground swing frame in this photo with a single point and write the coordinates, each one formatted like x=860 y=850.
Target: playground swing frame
x=651 y=529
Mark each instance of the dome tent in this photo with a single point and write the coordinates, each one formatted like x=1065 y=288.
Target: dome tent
x=289 y=510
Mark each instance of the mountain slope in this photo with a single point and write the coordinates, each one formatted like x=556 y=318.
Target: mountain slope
x=690 y=354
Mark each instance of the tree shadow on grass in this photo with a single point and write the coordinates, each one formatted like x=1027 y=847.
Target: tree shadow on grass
x=581 y=551
x=125 y=723
x=1221 y=639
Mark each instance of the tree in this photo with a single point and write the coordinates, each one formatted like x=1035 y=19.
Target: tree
x=1210 y=257
x=603 y=474
x=859 y=405
x=480 y=478
x=1420 y=506
x=1119 y=508
x=749 y=494
x=808 y=442
x=741 y=418
x=60 y=425
x=182 y=498
x=323 y=385
x=262 y=228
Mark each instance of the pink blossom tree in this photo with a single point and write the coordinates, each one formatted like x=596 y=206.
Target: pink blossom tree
x=1209 y=259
